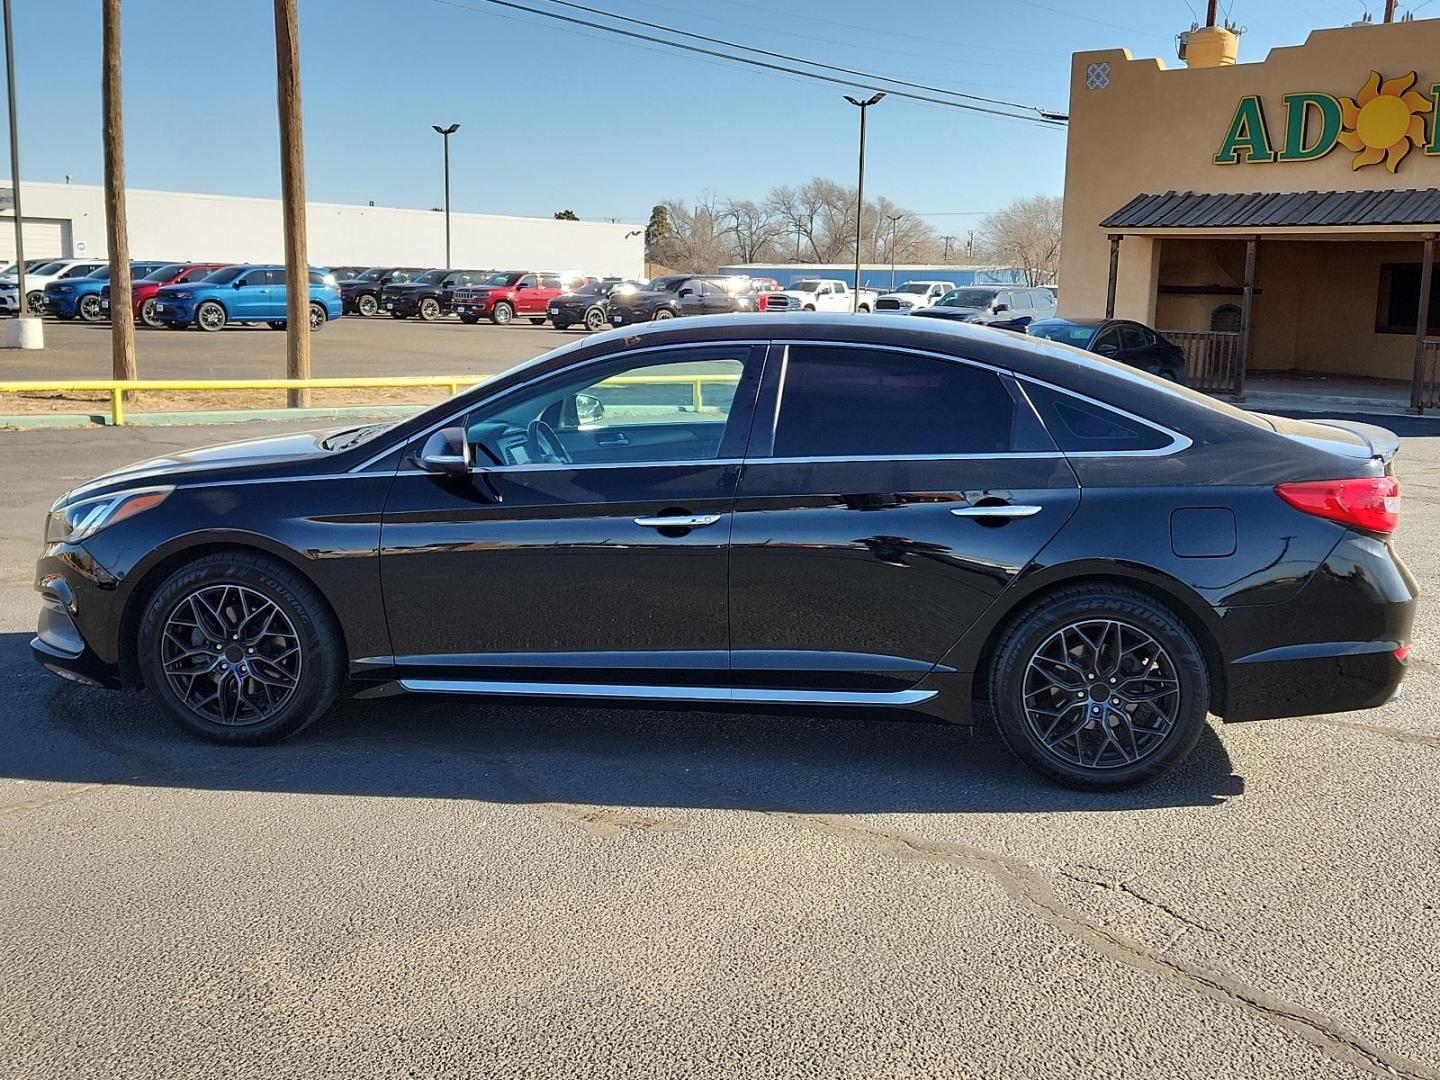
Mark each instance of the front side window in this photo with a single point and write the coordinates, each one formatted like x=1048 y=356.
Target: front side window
x=671 y=405
x=550 y=281
x=877 y=403
x=1064 y=332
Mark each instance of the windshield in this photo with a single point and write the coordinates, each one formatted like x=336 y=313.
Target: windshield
x=805 y=285
x=666 y=284
x=1063 y=332
x=968 y=298
x=226 y=274
x=372 y=275
x=164 y=273
x=504 y=278
x=430 y=277
x=915 y=287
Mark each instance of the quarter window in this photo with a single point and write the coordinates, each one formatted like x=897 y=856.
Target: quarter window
x=876 y=403
x=1080 y=426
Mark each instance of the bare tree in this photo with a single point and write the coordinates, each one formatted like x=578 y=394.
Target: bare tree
x=696 y=240
x=1026 y=235
x=753 y=229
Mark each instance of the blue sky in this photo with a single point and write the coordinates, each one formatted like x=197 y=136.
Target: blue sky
x=552 y=118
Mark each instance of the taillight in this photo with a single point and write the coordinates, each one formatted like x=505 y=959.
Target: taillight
x=762 y=302
x=1371 y=503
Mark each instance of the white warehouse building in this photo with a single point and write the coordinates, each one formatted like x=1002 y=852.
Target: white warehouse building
x=68 y=221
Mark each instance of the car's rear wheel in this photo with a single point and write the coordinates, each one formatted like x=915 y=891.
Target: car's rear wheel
x=468 y=318
x=398 y=315
x=537 y=322
x=147 y=313
x=35 y=302
x=1099 y=687
x=240 y=649
x=430 y=309
x=318 y=316
x=560 y=324
x=210 y=316
x=90 y=309
x=367 y=305
x=595 y=319
x=276 y=324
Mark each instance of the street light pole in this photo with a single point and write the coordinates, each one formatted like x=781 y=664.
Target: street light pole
x=894 y=220
x=25 y=332
x=863 y=106
x=445 y=133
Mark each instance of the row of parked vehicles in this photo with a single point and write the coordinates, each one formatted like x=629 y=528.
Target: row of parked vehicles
x=169 y=295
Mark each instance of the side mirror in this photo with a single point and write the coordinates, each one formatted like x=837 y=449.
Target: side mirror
x=686 y=292
x=589 y=410
x=446 y=453
x=237 y=284
x=998 y=308
x=1107 y=350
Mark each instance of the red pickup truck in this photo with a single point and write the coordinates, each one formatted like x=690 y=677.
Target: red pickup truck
x=509 y=293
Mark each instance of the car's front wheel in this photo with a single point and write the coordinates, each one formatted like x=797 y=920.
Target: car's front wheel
x=318 y=316
x=595 y=319
x=367 y=305
x=501 y=313
x=90 y=310
x=210 y=316
x=240 y=649
x=430 y=309
x=1099 y=687
x=147 y=313
x=35 y=302
x=662 y=313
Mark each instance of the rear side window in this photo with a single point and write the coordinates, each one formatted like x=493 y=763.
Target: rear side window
x=1080 y=426
x=877 y=403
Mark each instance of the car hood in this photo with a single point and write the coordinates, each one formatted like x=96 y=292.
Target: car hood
x=241 y=456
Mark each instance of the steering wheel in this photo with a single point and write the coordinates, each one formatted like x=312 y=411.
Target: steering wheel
x=546 y=443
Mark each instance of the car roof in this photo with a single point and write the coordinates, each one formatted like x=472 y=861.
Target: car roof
x=1076 y=322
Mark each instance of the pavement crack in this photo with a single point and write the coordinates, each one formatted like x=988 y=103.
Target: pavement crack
x=1411 y=738
x=1032 y=889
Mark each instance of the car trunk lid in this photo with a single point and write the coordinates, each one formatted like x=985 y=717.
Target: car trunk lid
x=1345 y=438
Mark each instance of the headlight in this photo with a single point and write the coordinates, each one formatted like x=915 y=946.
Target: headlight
x=179 y=296
x=82 y=520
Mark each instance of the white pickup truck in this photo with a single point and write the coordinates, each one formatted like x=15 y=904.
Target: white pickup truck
x=912 y=295
x=818 y=294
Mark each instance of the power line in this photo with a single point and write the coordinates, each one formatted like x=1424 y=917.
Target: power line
x=786 y=56
x=873 y=84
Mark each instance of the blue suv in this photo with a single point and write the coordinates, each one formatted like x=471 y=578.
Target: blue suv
x=243 y=294
x=70 y=297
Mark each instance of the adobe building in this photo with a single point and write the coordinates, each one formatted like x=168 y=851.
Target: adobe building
x=1278 y=216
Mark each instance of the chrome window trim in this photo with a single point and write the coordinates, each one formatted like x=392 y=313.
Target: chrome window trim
x=1178 y=441
x=742 y=695
x=392 y=447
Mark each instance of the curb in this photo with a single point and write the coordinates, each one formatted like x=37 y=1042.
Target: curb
x=47 y=421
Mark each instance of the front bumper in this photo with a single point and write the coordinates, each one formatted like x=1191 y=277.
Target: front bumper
x=59 y=645
x=61 y=305
x=405 y=305
x=9 y=302
x=178 y=312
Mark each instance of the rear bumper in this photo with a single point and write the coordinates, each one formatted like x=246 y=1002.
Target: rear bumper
x=60 y=306
x=1340 y=644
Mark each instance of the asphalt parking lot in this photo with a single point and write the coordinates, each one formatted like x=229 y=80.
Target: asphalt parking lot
x=435 y=888
x=348 y=346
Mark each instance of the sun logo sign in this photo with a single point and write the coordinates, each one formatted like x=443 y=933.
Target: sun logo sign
x=1384 y=121
x=1380 y=125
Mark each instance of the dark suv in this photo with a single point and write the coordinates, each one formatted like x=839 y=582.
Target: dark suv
x=360 y=295
x=675 y=295
x=428 y=294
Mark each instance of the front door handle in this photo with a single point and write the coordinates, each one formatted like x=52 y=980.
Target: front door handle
x=678 y=521
x=997 y=510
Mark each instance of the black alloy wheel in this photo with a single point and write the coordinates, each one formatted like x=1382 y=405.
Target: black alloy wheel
x=1099 y=687
x=240 y=649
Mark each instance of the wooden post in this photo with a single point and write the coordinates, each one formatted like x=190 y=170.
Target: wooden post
x=122 y=315
x=1247 y=301
x=292 y=185
x=1114 y=274
x=1422 y=322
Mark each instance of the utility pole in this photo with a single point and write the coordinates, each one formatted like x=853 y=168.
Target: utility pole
x=122 y=315
x=292 y=187
x=447 y=132
x=24 y=331
x=894 y=220
x=1389 y=10
x=945 y=255
x=864 y=107
x=970 y=244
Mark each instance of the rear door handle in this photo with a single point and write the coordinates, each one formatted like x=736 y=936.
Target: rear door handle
x=997 y=510
x=678 y=521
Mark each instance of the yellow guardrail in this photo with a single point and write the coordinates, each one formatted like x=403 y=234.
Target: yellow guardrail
x=118 y=388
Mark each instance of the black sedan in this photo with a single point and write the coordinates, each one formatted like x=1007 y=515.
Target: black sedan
x=676 y=295
x=1128 y=342
x=802 y=512
x=588 y=306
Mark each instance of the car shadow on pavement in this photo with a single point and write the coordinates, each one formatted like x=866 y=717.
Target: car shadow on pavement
x=454 y=748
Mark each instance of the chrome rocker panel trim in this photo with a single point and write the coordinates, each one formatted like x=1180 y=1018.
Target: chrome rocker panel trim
x=719 y=694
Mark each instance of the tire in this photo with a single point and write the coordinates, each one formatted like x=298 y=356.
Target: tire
x=430 y=309
x=1035 y=698
x=809 y=307
x=272 y=685
x=367 y=305
x=501 y=313
x=398 y=315
x=35 y=302
x=662 y=313
x=210 y=316
x=595 y=319
x=469 y=319
x=318 y=317
x=537 y=322
x=276 y=324
x=147 y=313
x=864 y=309
x=561 y=325
x=89 y=308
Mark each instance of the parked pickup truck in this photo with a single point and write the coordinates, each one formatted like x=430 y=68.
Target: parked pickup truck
x=912 y=295
x=817 y=294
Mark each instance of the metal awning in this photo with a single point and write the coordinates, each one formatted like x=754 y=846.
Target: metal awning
x=1269 y=209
